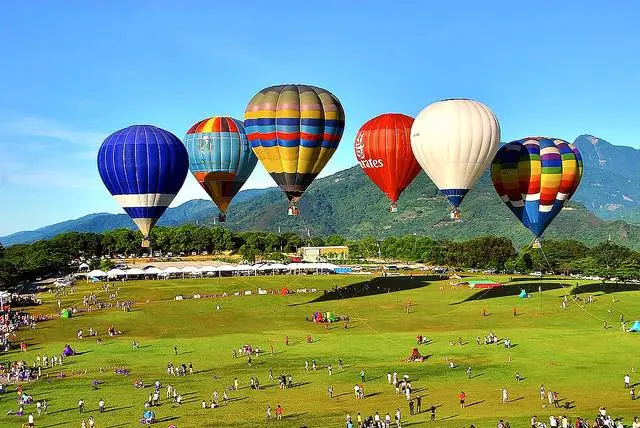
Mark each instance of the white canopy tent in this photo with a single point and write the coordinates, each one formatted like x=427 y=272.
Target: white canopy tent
x=96 y=274
x=135 y=271
x=152 y=271
x=116 y=273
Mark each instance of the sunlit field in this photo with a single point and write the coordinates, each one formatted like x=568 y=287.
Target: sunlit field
x=567 y=350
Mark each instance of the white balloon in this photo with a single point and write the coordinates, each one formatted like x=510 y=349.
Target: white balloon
x=454 y=142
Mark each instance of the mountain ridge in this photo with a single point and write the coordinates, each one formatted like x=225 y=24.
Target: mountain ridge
x=349 y=204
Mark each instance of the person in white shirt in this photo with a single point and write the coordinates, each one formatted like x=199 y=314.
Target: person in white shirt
x=30 y=419
x=636 y=423
x=553 y=423
x=505 y=396
x=627 y=381
x=398 y=420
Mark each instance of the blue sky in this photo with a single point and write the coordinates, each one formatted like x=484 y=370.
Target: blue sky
x=73 y=72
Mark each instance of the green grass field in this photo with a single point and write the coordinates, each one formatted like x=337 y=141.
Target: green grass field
x=589 y=361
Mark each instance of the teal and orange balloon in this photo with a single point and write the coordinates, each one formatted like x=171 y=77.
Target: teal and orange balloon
x=294 y=130
x=534 y=177
x=220 y=158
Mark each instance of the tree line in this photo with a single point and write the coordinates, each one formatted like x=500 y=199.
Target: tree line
x=27 y=262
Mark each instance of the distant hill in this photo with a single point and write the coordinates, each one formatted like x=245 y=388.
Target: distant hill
x=194 y=211
x=610 y=187
x=349 y=204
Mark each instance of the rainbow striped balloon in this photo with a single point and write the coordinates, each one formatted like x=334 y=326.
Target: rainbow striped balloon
x=534 y=177
x=294 y=130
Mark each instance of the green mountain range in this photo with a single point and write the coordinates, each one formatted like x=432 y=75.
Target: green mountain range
x=347 y=203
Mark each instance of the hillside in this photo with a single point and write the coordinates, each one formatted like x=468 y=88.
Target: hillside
x=349 y=204
x=610 y=186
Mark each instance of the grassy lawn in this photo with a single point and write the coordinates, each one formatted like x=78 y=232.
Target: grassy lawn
x=567 y=350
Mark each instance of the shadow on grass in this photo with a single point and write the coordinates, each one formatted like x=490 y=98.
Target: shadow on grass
x=167 y=419
x=492 y=293
x=379 y=285
x=115 y=409
x=605 y=287
x=516 y=399
x=474 y=403
x=294 y=415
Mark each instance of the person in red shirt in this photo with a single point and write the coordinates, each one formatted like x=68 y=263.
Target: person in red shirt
x=461 y=397
x=279 y=412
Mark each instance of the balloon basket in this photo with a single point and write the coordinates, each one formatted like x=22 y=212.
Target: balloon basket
x=455 y=214
x=222 y=218
x=393 y=208
x=293 y=210
x=536 y=244
x=146 y=243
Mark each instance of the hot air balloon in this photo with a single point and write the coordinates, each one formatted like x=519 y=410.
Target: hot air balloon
x=383 y=150
x=535 y=176
x=454 y=141
x=294 y=130
x=143 y=167
x=220 y=158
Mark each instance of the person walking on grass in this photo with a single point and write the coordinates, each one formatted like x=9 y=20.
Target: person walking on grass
x=505 y=396
x=419 y=404
x=101 y=405
x=469 y=372
x=175 y=350
x=398 y=418
x=268 y=413
x=279 y=412
x=432 y=409
x=92 y=422
x=461 y=398
x=627 y=381
x=81 y=406
x=362 y=375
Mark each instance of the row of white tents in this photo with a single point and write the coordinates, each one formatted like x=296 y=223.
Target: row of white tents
x=172 y=271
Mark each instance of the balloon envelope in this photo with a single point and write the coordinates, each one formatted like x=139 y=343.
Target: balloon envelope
x=143 y=167
x=294 y=130
x=535 y=176
x=220 y=157
x=383 y=150
x=454 y=141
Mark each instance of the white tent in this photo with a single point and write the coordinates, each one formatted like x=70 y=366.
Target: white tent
x=171 y=270
x=279 y=266
x=265 y=267
x=96 y=274
x=206 y=269
x=227 y=268
x=152 y=271
x=114 y=273
x=135 y=271
x=83 y=266
x=188 y=269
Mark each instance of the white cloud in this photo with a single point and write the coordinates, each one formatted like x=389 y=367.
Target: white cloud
x=50 y=128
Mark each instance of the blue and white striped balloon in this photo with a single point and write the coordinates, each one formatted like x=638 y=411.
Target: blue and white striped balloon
x=143 y=167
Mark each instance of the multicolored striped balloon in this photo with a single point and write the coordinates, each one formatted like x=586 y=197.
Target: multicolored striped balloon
x=220 y=158
x=534 y=177
x=294 y=130
x=143 y=167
